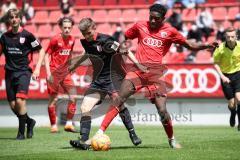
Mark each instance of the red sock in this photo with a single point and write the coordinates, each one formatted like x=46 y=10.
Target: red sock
x=52 y=114
x=71 y=110
x=168 y=127
x=110 y=115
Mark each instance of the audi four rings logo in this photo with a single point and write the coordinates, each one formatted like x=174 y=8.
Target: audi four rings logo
x=152 y=42
x=190 y=77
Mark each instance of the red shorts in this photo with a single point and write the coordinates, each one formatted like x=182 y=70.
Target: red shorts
x=61 y=86
x=154 y=83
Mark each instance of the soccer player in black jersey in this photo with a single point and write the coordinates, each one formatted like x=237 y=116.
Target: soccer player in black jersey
x=101 y=50
x=17 y=44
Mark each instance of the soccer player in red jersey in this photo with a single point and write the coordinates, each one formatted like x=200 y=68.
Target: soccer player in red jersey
x=154 y=40
x=18 y=44
x=59 y=49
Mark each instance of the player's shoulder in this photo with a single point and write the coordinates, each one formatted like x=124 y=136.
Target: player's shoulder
x=141 y=24
x=26 y=33
x=104 y=37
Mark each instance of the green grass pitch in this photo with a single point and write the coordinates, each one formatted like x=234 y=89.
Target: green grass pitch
x=199 y=143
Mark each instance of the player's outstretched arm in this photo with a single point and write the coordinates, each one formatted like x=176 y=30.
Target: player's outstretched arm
x=36 y=72
x=132 y=57
x=199 y=46
x=77 y=61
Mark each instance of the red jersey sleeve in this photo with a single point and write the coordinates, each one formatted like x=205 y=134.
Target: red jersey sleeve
x=178 y=37
x=132 y=32
x=51 y=46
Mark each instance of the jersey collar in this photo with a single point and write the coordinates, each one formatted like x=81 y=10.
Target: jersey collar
x=226 y=45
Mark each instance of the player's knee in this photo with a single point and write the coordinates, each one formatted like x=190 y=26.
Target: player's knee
x=163 y=115
x=20 y=101
x=85 y=109
x=231 y=103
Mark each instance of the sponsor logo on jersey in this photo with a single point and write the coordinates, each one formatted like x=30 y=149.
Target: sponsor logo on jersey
x=65 y=52
x=163 y=34
x=22 y=40
x=152 y=42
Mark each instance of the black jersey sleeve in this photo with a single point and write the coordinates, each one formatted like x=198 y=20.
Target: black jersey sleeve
x=109 y=44
x=34 y=44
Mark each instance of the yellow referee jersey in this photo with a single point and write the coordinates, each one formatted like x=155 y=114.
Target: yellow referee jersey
x=227 y=59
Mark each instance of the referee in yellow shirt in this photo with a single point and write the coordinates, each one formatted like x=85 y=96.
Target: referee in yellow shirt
x=227 y=63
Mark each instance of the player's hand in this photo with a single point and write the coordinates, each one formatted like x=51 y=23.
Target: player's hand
x=143 y=68
x=50 y=78
x=35 y=75
x=71 y=68
x=213 y=45
x=225 y=79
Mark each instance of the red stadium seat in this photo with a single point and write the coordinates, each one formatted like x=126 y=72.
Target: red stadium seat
x=41 y=17
x=142 y=14
x=232 y=12
x=52 y=3
x=114 y=15
x=227 y=24
x=75 y=31
x=85 y=13
x=129 y=15
x=96 y=2
x=54 y=16
x=236 y=24
x=81 y=2
x=45 y=31
x=139 y=2
x=104 y=28
x=38 y=3
x=219 y=13
x=189 y=14
x=56 y=30
x=213 y=1
x=151 y=1
x=110 y=2
x=45 y=43
x=77 y=47
x=31 y=28
x=125 y=2
x=203 y=57
x=100 y=16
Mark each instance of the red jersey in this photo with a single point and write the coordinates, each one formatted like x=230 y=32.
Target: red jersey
x=60 y=50
x=153 y=45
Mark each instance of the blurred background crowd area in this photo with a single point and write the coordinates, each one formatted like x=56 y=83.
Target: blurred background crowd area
x=198 y=20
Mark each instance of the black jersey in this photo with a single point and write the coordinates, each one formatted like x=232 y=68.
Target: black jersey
x=102 y=53
x=17 y=47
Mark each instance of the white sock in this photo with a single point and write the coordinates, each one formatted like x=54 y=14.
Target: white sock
x=69 y=122
x=54 y=126
x=100 y=131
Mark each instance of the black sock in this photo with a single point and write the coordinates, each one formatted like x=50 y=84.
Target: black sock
x=232 y=110
x=28 y=119
x=22 y=121
x=127 y=121
x=238 y=113
x=15 y=112
x=85 y=127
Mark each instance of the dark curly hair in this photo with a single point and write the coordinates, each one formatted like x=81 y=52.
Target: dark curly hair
x=158 y=8
x=65 y=19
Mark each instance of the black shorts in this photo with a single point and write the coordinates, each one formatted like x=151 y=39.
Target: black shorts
x=107 y=88
x=17 y=84
x=229 y=89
